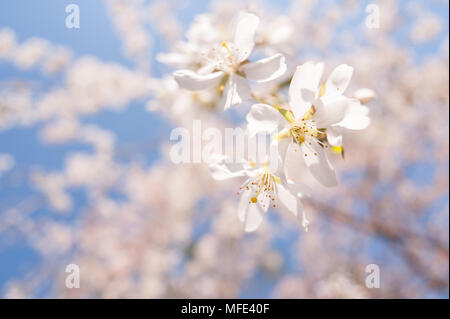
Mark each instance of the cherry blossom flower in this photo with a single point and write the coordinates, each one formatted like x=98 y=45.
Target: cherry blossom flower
x=265 y=186
x=227 y=65
x=315 y=110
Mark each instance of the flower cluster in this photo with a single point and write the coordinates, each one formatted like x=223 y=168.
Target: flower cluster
x=305 y=127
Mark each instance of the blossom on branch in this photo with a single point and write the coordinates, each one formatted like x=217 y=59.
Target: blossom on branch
x=228 y=68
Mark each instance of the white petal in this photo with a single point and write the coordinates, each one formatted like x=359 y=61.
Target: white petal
x=300 y=189
x=221 y=169
x=306 y=78
x=293 y=204
x=244 y=34
x=293 y=170
x=330 y=110
x=190 y=80
x=207 y=69
x=253 y=217
x=334 y=135
x=262 y=118
x=250 y=214
x=243 y=203
x=364 y=95
x=317 y=161
x=356 y=116
x=237 y=90
x=283 y=145
x=265 y=69
x=287 y=199
x=338 y=80
x=301 y=212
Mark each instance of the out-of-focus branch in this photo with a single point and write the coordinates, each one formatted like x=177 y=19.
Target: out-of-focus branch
x=397 y=235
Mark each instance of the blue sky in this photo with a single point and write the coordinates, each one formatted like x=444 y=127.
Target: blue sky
x=46 y=19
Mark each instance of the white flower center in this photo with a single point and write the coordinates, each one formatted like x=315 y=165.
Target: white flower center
x=222 y=58
x=302 y=129
x=262 y=186
x=306 y=129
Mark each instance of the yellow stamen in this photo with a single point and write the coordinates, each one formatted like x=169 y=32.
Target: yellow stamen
x=286 y=113
x=222 y=83
x=308 y=114
x=322 y=90
x=230 y=57
x=282 y=135
x=338 y=150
